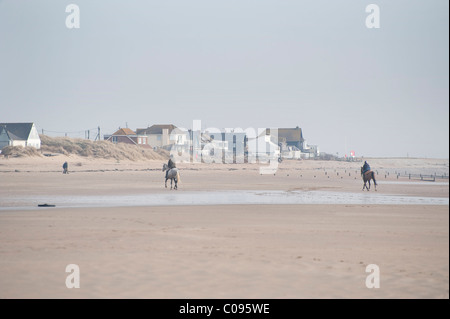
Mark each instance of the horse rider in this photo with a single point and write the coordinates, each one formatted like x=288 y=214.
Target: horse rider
x=170 y=165
x=366 y=167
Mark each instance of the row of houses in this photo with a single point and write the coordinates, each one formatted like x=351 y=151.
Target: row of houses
x=26 y=134
x=155 y=136
x=228 y=146
x=285 y=142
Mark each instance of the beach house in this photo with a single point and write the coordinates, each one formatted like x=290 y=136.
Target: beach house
x=164 y=135
x=19 y=134
x=127 y=136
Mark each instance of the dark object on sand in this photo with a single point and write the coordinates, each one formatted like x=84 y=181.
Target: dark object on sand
x=46 y=205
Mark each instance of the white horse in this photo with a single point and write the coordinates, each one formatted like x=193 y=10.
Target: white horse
x=173 y=174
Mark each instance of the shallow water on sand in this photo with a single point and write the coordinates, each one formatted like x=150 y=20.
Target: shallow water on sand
x=429 y=183
x=181 y=198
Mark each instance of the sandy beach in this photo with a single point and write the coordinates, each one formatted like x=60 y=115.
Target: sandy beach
x=208 y=250
x=98 y=97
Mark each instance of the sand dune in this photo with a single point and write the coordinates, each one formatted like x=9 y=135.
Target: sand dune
x=54 y=146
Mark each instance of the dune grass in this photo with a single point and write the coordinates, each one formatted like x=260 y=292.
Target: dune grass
x=87 y=148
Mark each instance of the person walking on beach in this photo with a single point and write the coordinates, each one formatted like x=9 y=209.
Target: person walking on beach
x=65 y=168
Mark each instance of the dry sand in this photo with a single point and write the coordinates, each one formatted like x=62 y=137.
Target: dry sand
x=227 y=251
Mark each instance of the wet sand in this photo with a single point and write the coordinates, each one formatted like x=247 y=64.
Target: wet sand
x=41 y=176
x=300 y=251
x=221 y=251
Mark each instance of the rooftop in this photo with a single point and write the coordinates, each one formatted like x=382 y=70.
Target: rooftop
x=156 y=129
x=124 y=131
x=18 y=131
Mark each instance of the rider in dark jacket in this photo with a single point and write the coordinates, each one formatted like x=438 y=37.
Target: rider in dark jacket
x=170 y=164
x=366 y=167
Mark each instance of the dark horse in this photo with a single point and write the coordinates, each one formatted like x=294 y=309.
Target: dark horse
x=173 y=175
x=367 y=176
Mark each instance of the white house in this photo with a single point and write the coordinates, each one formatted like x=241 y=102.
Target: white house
x=164 y=135
x=19 y=134
x=263 y=147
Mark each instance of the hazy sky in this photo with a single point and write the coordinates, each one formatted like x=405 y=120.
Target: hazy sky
x=234 y=63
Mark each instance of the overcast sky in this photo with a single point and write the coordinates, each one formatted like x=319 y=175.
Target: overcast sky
x=234 y=63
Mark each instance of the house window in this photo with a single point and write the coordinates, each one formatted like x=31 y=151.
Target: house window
x=139 y=140
x=114 y=139
x=158 y=137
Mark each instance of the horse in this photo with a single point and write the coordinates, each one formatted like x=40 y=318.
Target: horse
x=367 y=176
x=173 y=174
